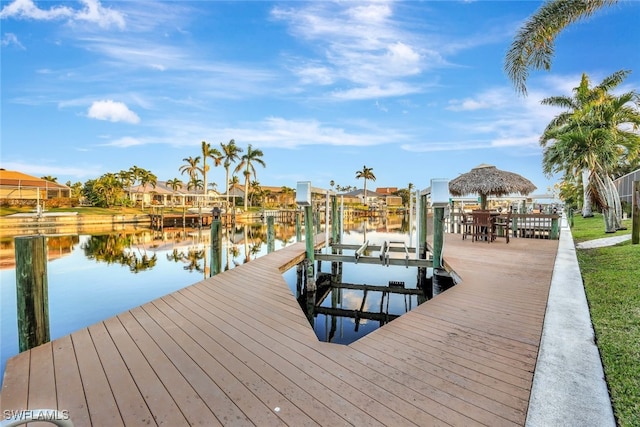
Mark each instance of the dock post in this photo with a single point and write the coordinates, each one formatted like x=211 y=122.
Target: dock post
x=423 y=226
x=32 y=291
x=308 y=235
x=216 y=243
x=635 y=213
x=335 y=221
x=438 y=236
x=299 y=279
x=298 y=227
x=554 y=234
x=271 y=234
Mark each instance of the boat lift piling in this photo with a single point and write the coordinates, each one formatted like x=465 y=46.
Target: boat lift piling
x=389 y=250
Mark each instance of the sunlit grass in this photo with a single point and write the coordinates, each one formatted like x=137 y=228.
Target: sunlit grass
x=611 y=278
x=593 y=228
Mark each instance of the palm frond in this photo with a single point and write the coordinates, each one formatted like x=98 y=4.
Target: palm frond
x=534 y=45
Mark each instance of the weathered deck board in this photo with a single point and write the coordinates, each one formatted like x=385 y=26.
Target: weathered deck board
x=236 y=349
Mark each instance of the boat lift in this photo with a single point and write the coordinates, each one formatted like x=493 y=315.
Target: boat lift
x=390 y=253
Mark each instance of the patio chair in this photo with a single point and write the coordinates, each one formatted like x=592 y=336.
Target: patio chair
x=467 y=225
x=502 y=225
x=483 y=227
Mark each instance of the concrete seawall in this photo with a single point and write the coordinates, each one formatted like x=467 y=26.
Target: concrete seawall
x=68 y=222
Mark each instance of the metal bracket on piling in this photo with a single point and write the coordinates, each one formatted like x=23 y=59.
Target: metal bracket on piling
x=361 y=250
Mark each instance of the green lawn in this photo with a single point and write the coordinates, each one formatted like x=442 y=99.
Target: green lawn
x=611 y=278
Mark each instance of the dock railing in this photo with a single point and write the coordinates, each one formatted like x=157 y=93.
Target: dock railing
x=530 y=225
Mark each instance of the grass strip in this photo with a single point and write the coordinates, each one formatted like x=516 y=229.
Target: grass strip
x=611 y=277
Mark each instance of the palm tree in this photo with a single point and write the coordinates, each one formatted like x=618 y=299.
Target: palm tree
x=366 y=174
x=533 y=45
x=146 y=177
x=191 y=167
x=286 y=193
x=108 y=187
x=49 y=178
x=195 y=184
x=213 y=153
x=584 y=96
x=230 y=154
x=247 y=163
x=257 y=192
x=596 y=133
x=174 y=184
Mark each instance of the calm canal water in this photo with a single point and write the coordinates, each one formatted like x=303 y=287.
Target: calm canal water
x=95 y=276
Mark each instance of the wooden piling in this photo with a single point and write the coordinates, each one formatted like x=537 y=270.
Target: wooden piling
x=335 y=221
x=32 y=291
x=309 y=239
x=216 y=247
x=438 y=236
x=271 y=234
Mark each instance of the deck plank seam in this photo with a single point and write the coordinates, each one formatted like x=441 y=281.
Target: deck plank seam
x=267 y=350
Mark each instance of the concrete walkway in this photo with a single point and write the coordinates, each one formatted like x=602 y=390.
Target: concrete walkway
x=569 y=388
x=605 y=241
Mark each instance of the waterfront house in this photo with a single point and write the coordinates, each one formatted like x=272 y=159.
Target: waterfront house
x=163 y=195
x=20 y=189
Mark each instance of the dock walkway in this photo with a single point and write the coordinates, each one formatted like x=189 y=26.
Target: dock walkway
x=236 y=349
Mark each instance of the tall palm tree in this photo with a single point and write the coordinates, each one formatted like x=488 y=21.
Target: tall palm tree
x=146 y=177
x=576 y=107
x=533 y=45
x=191 y=167
x=49 y=178
x=209 y=152
x=230 y=154
x=247 y=161
x=366 y=174
x=596 y=133
x=174 y=184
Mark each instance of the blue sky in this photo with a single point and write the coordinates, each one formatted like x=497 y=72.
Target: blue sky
x=415 y=89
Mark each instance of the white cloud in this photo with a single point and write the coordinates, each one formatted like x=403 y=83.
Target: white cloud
x=375 y=91
x=315 y=74
x=105 y=17
x=278 y=132
x=26 y=9
x=112 y=111
x=362 y=44
x=11 y=39
x=447 y=146
x=92 y=12
x=489 y=99
x=125 y=142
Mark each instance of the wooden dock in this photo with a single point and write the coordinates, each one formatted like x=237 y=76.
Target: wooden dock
x=236 y=349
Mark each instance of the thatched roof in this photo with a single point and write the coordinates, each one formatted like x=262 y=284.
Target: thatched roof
x=489 y=180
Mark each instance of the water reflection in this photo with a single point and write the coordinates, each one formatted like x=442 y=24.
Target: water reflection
x=119 y=249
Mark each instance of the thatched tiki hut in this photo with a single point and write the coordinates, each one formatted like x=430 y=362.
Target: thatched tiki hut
x=488 y=180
